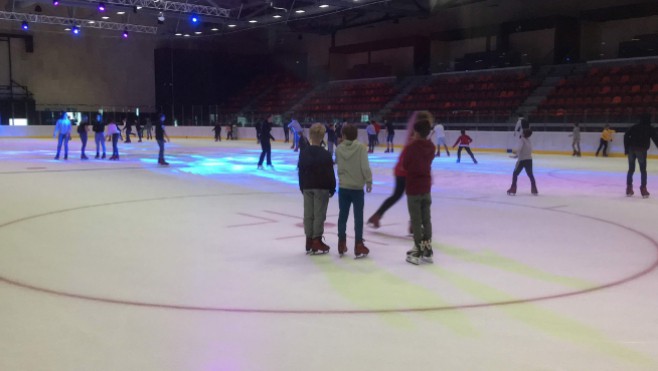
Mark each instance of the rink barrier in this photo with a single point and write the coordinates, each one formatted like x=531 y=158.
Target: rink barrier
x=483 y=141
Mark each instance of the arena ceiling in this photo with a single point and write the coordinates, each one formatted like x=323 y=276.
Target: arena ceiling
x=315 y=16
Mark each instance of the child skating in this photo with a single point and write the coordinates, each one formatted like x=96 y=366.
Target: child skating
x=524 y=161
x=353 y=174
x=317 y=183
x=418 y=158
x=464 y=142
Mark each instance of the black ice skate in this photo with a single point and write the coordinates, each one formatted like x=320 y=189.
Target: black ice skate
x=629 y=191
x=309 y=242
x=533 y=190
x=644 y=192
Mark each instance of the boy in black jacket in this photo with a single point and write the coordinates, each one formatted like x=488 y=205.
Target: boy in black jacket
x=637 y=141
x=317 y=182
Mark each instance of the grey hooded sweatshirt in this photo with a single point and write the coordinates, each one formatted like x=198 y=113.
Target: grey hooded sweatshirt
x=353 y=166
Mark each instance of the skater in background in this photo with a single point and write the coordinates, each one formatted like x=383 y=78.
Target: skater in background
x=149 y=128
x=339 y=131
x=114 y=133
x=440 y=133
x=99 y=134
x=607 y=135
x=575 y=144
x=464 y=142
x=372 y=136
x=259 y=127
x=378 y=128
x=524 y=161
x=229 y=132
x=265 y=136
x=399 y=171
x=140 y=130
x=317 y=182
x=419 y=154
x=83 y=129
x=286 y=133
x=637 y=141
x=331 y=138
x=390 y=135
x=297 y=132
x=353 y=174
x=128 y=128
x=160 y=136
x=217 y=128
x=63 y=127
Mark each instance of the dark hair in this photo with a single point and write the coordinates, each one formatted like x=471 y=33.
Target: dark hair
x=349 y=131
x=423 y=128
x=463 y=131
x=527 y=133
x=645 y=119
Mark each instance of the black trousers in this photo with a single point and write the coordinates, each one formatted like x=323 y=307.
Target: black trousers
x=603 y=144
x=400 y=185
x=267 y=151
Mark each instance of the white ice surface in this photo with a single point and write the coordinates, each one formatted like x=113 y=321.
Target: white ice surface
x=201 y=266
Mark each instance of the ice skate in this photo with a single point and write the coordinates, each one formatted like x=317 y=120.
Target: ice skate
x=309 y=242
x=373 y=221
x=533 y=190
x=427 y=253
x=629 y=191
x=413 y=255
x=163 y=163
x=318 y=247
x=360 y=250
x=644 y=192
x=260 y=167
x=342 y=247
x=511 y=191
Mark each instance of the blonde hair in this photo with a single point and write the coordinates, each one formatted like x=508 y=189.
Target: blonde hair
x=316 y=133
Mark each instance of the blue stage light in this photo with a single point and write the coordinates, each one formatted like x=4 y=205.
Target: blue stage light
x=75 y=30
x=25 y=26
x=195 y=18
x=101 y=7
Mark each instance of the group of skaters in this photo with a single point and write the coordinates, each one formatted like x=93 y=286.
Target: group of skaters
x=110 y=131
x=317 y=182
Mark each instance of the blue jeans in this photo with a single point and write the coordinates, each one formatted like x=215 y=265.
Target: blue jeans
x=347 y=197
x=63 y=138
x=641 y=157
x=99 y=138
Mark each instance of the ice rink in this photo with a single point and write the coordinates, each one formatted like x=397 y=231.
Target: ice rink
x=200 y=266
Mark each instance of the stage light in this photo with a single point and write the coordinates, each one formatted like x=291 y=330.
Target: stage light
x=197 y=33
x=121 y=12
x=253 y=21
x=105 y=17
x=101 y=7
x=161 y=18
x=75 y=30
x=179 y=34
x=91 y=22
x=25 y=26
x=194 y=18
x=299 y=11
x=55 y=2
x=324 y=6
x=125 y=34
x=276 y=16
x=214 y=29
x=232 y=25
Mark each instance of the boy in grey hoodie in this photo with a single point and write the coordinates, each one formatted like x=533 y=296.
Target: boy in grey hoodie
x=353 y=173
x=524 y=161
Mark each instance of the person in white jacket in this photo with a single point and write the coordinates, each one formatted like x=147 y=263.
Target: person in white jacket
x=353 y=174
x=524 y=161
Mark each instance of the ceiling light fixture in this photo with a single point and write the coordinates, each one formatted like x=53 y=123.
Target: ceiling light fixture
x=276 y=16
x=300 y=11
x=324 y=6
x=232 y=25
x=121 y=12
x=253 y=21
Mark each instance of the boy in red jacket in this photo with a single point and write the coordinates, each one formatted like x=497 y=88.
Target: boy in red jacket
x=464 y=142
x=419 y=154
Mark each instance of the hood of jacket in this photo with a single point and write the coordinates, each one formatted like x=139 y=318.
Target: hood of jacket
x=349 y=148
